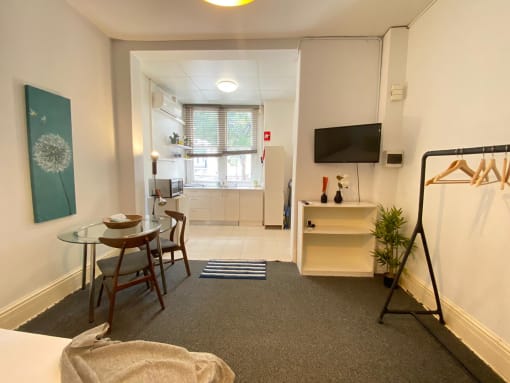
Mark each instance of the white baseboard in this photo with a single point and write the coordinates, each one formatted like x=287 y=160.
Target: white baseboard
x=489 y=347
x=30 y=306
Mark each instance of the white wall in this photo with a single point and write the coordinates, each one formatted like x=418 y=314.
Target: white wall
x=393 y=72
x=339 y=85
x=169 y=166
x=458 y=96
x=140 y=133
x=47 y=45
x=163 y=127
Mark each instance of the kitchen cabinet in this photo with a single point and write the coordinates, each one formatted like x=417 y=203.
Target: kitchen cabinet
x=225 y=206
x=231 y=205
x=251 y=204
x=203 y=204
x=179 y=203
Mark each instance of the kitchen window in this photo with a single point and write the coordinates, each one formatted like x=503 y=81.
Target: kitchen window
x=223 y=141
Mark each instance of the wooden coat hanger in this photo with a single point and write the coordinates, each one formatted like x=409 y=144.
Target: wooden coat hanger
x=505 y=171
x=504 y=174
x=455 y=165
x=485 y=174
x=479 y=170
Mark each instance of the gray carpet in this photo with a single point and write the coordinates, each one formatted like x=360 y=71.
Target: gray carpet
x=287 y=328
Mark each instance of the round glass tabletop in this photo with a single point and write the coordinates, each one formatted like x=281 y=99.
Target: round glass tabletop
x=91 y=233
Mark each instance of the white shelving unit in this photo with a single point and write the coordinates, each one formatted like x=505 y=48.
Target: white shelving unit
x=179 y=146
x=341 y=241
x=178 y=151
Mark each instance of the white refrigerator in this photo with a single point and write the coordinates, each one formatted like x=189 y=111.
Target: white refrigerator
x=274 y=186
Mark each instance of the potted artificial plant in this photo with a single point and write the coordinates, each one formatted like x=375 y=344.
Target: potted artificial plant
x=391 y=243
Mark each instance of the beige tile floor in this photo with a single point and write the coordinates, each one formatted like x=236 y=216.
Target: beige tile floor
x=237 y=242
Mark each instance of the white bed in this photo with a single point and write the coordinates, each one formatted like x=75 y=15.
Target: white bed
x=26 y=357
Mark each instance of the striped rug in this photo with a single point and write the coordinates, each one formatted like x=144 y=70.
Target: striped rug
x=234 y=269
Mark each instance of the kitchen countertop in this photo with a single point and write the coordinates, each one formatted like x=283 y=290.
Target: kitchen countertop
x=203 y=187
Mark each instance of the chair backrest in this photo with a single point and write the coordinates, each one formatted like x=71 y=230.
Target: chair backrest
x=131 y=241
x=181 y=223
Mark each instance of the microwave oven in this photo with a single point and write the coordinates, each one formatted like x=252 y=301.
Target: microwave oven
x=168 y=188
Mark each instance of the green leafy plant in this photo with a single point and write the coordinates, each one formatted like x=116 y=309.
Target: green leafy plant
x=174 y=138
x=391 y=243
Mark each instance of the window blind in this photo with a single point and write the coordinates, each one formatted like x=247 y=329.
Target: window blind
x=214 y=130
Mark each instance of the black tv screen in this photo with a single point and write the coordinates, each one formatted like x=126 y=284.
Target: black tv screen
x=354 y=143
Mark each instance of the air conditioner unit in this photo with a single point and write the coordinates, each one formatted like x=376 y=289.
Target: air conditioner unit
x=167 y=104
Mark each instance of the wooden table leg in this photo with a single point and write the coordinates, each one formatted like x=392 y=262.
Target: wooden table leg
x=161 y=266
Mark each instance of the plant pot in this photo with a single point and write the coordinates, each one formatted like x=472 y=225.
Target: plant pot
x=338 y=197
x=388 y=279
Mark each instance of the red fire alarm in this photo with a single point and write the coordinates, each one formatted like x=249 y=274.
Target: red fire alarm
x=267 y=135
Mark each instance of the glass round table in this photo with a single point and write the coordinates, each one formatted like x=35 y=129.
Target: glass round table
x=89 y=235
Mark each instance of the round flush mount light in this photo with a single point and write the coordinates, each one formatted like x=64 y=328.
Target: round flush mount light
x=227 y=86
x=229 y=3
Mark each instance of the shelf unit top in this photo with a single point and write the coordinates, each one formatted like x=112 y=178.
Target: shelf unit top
x=338 y=229
x=180 y=146
x=339 y=205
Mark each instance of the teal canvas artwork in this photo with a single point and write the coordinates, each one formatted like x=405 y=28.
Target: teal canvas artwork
x=50 y=150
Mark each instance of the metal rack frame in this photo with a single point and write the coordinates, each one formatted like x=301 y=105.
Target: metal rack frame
x=420 y=230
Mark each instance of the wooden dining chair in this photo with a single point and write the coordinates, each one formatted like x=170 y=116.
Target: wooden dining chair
x=124 y=264
x=174 y=243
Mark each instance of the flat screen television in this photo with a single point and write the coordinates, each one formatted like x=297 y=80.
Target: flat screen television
x=352 y=144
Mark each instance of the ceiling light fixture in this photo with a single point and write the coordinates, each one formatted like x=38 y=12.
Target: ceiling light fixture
x=227 y=86
x=229 y=3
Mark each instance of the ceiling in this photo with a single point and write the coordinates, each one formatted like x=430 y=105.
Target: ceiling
x=196 y=19
x=262 y=75
x=191 y=76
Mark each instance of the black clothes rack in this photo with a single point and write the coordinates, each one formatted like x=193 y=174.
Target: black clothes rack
x=418 y=229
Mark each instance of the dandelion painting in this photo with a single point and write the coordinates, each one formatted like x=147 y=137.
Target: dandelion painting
x=50 y=149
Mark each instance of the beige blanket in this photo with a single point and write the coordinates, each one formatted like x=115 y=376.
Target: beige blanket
x=90 y=358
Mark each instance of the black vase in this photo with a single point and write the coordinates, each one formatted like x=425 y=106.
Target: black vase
x=338 y=197
x=324 y=198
